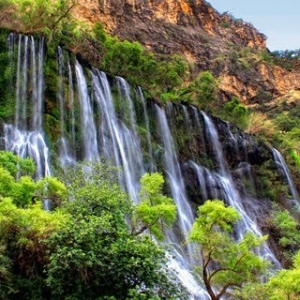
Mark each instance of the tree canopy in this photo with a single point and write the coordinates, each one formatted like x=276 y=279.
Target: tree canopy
x=226 y=263
x=83 y=248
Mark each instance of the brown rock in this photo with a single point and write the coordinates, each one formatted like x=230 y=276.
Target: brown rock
x=208 y=39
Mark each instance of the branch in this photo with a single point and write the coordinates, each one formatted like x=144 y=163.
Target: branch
x=223 y=269
x=64 y=15
x=143 y=228
x=205 y=264
x=224 y=289
x=228 y=269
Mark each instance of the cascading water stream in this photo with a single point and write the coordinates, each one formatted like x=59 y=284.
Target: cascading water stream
x=152 y=166
x=23 y=138
x=88 y=127
x=175 y=180
x=118 y=138
x=230 y=193
x=184 y=212
x=65 y=154
x=282 y=167
x=72 y=109
x=38 y=102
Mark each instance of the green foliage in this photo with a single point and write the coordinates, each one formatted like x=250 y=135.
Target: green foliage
x=23 y=231
x=295 y=157
x=97 y=256
x=288 y=137
x=46 y=17
x=287 y=233
x=130 y=60
x=254 y=291
x=21 y=190
x=14 y=164
x=83 y=249
x=155 y=211
x=122 y=57
x=286 y=283
x=169 y=97
x=171 y=73
x=235 y=112
x=288 y=228
x=225 y=263
x=51 y=189
x=266 y=57
x=201 y=91
x=6 y=78
x=284 y=122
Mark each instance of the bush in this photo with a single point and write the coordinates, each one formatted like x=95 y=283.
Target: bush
x=235 y=112
x=201 y=91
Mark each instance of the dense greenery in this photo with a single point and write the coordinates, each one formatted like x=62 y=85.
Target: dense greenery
x=130 y=60
x=83 y=249
x=92 y=247
x=37 y=16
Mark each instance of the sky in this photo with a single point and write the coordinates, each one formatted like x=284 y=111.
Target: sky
x=278 y=20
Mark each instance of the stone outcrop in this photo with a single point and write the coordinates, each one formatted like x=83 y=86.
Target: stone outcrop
x=209 y=40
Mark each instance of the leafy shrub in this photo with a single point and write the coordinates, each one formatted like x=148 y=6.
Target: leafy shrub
x=235 y=112
x=201 y=91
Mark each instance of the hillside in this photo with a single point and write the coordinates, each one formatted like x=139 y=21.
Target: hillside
x=233 y=50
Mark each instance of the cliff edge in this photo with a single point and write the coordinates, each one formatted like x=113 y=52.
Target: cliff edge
x=230 y=48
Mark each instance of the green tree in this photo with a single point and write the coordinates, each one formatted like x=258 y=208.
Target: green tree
x=84 y=248
x=202 y=91
x=122 y=57
x=20 y=190
x=23 y=250
x=41 y=16
x=51 y=189
x=285 y=285
x=97 y=256
x=12 y=184
x=156 y=210
x=285 y=122
x=287 y=233
x=16 y=165
x=235 y=112
x=226 y=263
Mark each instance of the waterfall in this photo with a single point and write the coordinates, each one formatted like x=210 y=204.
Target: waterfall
x=66 y=155
x=172 y=168
x=223 y=177
x=120 y=142
x=88 y=127
x=152 y=167
x=23 y=138
x=184 y=210
x=282 y=167
x=72 y=109
x=99 y=118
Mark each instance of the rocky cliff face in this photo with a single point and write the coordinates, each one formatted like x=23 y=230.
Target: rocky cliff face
x=208 y=40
